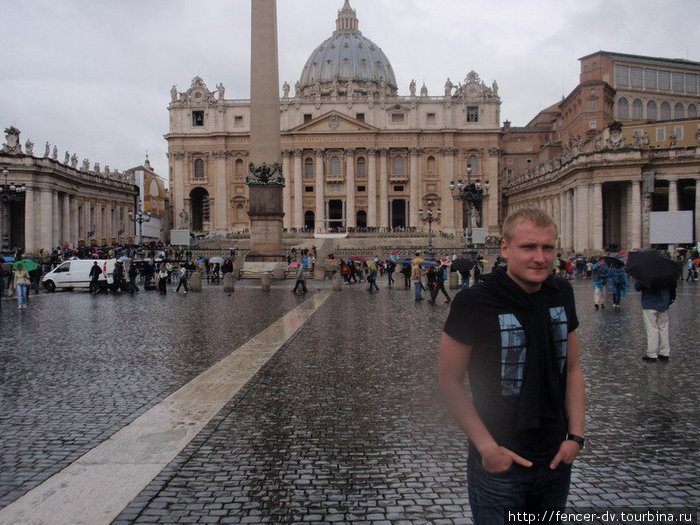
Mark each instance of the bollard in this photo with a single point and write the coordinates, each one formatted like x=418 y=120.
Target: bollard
x=278 y=272
x=337 y=283
x=236 y=274
x=454 y=280
x=265 y=282
x=196 y=282
x=228 y=283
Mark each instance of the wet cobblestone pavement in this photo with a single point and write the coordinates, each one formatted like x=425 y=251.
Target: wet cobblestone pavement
x=343 y=425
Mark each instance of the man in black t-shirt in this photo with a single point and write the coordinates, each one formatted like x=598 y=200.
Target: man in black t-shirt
x=514 y=334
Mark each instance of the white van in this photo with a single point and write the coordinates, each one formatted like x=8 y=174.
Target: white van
x=76 y=274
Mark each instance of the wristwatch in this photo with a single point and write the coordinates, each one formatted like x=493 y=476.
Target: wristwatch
x=577 y=439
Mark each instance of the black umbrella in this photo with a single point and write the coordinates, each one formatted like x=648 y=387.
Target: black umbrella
x=652 y=269
x=613 y=262
x=462 y=264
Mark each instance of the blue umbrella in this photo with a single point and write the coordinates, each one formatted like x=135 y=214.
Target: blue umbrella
x=428 y=263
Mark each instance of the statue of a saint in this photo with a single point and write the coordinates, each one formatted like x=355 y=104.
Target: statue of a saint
x=47 y=150
x=173 y=93
x=66 y=158
x=183 y=219
x=221 y=90
x=423 y=90
x=73 y=161
x=29 y=148
x=448 y=87
x=54 y=155
x=285 y=89
x=412 y=88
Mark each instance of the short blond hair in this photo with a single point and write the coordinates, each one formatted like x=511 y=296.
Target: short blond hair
x=534 y=215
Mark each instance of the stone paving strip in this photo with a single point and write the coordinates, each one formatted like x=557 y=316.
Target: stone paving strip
x=95 y=488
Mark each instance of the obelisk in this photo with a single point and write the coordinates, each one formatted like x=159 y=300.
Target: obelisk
x=265 y=181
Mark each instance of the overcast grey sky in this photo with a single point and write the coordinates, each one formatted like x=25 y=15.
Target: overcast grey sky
x=93 y=76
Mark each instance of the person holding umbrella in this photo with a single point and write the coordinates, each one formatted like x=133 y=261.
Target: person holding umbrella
x=21 y=281
x=618 y=282
x=656 y=277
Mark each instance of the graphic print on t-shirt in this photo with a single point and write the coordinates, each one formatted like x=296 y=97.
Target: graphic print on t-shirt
x=514 y=348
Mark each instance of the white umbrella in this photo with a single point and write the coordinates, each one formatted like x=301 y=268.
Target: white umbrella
x=215 y=260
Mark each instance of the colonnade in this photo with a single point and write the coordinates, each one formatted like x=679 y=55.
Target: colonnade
x=583 y=211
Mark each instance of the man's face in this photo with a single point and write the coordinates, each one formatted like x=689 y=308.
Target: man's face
x=530 y=253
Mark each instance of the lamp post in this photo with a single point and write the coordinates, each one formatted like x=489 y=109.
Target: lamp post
x=430 y=217
x=140 y=217
x=9 y=193
x=473 y=193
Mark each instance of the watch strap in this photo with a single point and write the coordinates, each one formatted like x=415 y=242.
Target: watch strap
x=578 y=439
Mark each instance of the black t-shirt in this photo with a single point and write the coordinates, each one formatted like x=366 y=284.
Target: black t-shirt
x=481 y=319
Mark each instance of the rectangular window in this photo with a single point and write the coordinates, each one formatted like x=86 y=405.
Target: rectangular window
x=592 y=124
x=360 y=117
x=677 y=82
x=660 y=134
x=678 y=131
x=664 y=80
x=397 y=118
x=307 y=117
x=636 y=76
x=309 y=189
x=361 y=189
x=472 y=113
x=238 y=120
x=198 y=118
x=622 y=74
x=592 y=104
x=398 y=188
x=430 y=118
x=650 y=78
x=691 y=83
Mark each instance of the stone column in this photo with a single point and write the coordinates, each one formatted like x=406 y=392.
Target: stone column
x=178 y=188
x=55 y=218
x=372 y=189
x=320 y=193
x=286 y=191
x=74 y=224
x=634 y=220
x=350 y=212
x=414 y=188
x=298 y=190
x=447 y=204
x=29 y=224
x=490 y=172
x=383 y=188
x=46 y=216
x=597 y=217
x=672 y=194
x=65 y=226
x=220 y=221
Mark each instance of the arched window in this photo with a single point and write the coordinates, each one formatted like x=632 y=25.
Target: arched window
x=361 y=217
x=623 y=108
x=651 y=110
x=240 y=169
x=692 y=111
x=637 y=109
x=398 y=165
x=335 y=165
x=665 y=111
x=361 y=167
x=678 y=111
x=198 y=169
x=432 y=171
x=309 y=167
x=473 y=163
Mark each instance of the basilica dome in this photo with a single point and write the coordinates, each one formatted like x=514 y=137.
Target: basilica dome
x=347 y=63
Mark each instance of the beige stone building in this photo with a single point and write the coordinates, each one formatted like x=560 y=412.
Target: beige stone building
x=600 y=182
x=355 y=153
x=63 y=203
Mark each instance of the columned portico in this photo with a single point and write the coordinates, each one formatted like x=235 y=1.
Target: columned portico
x=372 y=189
x=320 y=211
x=383 y=189
x=414 y=187
x=298 y=190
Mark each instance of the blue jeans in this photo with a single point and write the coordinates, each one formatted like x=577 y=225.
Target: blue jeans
x=21 y=294
x=533 y=489
x=417 y=289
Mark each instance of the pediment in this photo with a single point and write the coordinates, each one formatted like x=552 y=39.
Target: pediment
x=333 y=122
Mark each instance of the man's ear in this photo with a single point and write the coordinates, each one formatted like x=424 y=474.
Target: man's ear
x=504 y=248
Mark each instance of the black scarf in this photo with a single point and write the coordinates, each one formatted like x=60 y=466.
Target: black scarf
x=541 y=395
